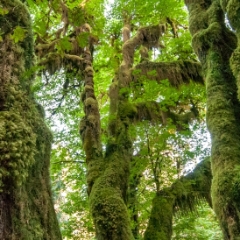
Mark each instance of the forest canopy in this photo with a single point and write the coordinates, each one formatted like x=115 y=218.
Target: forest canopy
x=119 y=119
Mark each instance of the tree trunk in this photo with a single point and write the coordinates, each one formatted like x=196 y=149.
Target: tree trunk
x=214 y=43
x=107 y=176
x=26 y=206
x=183 y=195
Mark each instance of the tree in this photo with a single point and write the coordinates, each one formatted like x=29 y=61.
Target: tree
x=136 y=136
x=216 y=46
x=25 y=196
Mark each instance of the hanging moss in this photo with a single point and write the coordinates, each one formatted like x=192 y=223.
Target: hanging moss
x=176 y=72
x=146 y=36
x=126 y=110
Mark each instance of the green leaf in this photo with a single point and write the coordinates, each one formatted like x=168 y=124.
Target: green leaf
x=18 y=34
x=3 y=11
x=83 y=39
x=64 y=45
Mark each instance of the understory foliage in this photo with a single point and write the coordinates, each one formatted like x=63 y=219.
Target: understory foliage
x=124 y=95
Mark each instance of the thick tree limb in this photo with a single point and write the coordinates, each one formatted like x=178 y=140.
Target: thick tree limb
x=152 y=112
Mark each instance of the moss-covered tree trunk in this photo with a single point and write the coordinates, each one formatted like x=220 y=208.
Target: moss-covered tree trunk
x=108 y=173
x=214 y=43
x=26 y=206
x=183 y=195
x=107 y=176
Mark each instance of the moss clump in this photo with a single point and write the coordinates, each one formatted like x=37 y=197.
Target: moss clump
x=25 y=142
x=107 y=199
x=91 y=102
x=126 y=110
x=17 y=147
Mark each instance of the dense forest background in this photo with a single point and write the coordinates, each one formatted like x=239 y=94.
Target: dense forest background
x=130 y=109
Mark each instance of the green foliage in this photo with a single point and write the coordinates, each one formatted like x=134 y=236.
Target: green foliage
x=18 y=34
x=64 y=45
x=3 y=11
x=200 y=226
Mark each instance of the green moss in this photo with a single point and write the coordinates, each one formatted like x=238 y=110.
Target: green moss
x=107 y=200
x=90 y=102
x=126 y=110
x=222 y=107
x=17 y=147
x=160 y=222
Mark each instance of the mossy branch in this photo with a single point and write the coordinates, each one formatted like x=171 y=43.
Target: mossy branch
x=152 y=112
x=177 y=73
x=196 y=185
x=146 y=36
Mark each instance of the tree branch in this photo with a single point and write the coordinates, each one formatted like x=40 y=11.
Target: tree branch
x=177 y=73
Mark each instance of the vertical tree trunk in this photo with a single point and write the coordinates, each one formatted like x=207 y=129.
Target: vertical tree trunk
x=26 y=207
x=214 y=44
x=160 y=222
x=107 y=175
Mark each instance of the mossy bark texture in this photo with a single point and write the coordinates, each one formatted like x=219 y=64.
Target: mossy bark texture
x=214 y=43
x=183 y=195
x=26 y=206
x=232 y=8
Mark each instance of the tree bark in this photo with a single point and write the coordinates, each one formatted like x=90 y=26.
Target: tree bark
x=214 y=43
x=26 y=206
x=107 y=175
x=232 y=8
